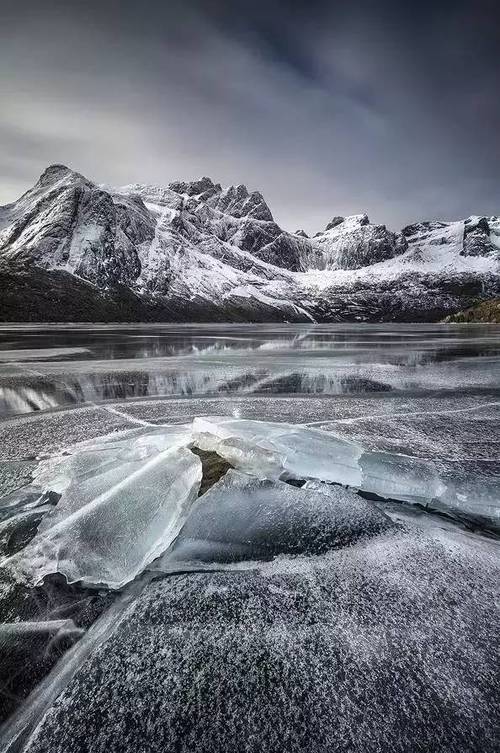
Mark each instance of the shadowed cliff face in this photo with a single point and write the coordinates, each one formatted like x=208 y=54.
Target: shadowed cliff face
x=71 y=250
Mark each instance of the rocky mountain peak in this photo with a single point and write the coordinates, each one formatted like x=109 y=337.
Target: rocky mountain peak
x=201 y=251
x=346 y=224
x=479 y=224
x=195 y=187
x=481 y=236
x=238 y=202
x=55 y=173
x=334 y=222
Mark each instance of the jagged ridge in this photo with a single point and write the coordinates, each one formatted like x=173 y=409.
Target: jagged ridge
x=195 y=251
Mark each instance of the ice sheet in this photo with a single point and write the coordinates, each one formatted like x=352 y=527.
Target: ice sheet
x=119 y=510
x=126 y=496
x=87 y=458
x=306 y=453
x=461 y=486
x=385 y=645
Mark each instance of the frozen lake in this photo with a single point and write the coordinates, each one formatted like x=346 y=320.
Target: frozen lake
x=48 y=367
x=344 y=556
x=426 y=392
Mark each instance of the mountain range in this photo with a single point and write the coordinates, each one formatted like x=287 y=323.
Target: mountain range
x=72 y=250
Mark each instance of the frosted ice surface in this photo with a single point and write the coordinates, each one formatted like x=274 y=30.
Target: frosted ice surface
x=242 y=517
x=135 y=490
x=114 y=518
x=385 y=645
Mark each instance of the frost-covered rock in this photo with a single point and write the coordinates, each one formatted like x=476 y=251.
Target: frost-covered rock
x=290 y=251
x=353 y=242
x=67 y=222
x=201 y=187
x=338 y=219
x=238 y=202
x=482 y=237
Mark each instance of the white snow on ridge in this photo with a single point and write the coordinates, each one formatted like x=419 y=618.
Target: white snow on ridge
x=210 y=251
x=432 y=252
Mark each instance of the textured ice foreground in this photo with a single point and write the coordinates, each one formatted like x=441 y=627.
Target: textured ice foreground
x=383 y=645
x=126 y=496
x=319 y=624
x=122 y=504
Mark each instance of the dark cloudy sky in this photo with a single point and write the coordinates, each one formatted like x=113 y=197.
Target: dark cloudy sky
x=387 y=107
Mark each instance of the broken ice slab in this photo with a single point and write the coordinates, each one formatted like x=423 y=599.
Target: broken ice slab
x=243 y=454
x=242 y=517
x=303 y=452
x=85 y=459
x=472 y=489
x=463 y=486
x=394 y=476
x=111 y=522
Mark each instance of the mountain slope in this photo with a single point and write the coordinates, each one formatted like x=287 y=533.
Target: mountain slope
x=192 y=251
x=487 y=311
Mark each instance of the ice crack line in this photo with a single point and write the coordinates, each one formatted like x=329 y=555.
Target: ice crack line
x=386 y=416
x=127 y=416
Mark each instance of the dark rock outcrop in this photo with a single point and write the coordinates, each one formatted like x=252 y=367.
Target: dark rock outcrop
x=337 y=221
x=477 y=240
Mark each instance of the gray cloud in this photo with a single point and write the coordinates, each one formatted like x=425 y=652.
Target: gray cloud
x=327 y=108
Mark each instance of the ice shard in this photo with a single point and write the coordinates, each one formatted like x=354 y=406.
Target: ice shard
x=243 y=454
x=94 y=456
x=395 y=476
x=113 y=519
x=306 y=453
x=466 y=487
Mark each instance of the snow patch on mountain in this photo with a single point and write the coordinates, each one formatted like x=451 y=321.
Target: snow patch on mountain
x=206 y=251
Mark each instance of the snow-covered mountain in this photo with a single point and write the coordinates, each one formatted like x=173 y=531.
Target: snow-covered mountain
x=193 y=251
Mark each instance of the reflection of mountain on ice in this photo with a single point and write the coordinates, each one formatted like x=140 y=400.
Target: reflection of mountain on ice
x=233 y=372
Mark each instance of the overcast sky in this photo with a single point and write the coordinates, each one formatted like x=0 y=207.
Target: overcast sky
x=392 y=108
